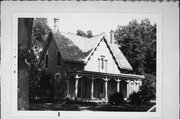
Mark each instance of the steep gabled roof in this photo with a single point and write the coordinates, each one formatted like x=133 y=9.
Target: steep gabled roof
x=85 y=44
x=68 y=49
x=120 y=58
x=80 y=49
x=74 y=47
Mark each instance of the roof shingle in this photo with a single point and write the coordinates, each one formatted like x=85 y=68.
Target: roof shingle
x=78 y=48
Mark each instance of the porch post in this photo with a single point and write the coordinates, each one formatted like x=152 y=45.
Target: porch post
x=67 y=88
x=76 y=85
x=92 y=87
x=128 y=88
x=118 y=81
x=106 y=88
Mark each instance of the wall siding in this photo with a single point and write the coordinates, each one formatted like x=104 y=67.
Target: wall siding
x=102 y=49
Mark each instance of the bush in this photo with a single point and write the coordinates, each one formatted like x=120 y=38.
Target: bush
x=69 y=101
x=136 y=98
x=148 y=88
x=116 y=98
x=147 y=91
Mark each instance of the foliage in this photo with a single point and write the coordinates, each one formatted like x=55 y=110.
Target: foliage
x=88 y=34
x=148 y=88
x=138 y=43
x=147 y=91
x=80 y=33
x=39 y=31
x=116 y=98
x=46 y=85
x=136 y=98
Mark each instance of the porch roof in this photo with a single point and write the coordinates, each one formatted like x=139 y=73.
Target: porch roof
x=103 y=75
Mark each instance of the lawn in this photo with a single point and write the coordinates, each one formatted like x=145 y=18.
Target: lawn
x=80 y=106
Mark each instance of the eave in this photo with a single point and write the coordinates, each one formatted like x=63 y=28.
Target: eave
x=103 y=75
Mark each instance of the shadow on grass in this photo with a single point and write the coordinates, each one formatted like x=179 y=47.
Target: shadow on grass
x=80 y=106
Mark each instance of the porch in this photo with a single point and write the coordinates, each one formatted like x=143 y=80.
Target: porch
x=97 y=86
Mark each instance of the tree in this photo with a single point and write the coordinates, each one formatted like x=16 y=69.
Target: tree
x=80 y=33
x=39 y=31
x=24 y=47
x=138 y=43
x=88 y=34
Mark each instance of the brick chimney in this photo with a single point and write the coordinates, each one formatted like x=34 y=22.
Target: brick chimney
x=56 y=24
x=112 y=37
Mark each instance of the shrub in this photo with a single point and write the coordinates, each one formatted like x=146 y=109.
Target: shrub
x=116 y=98
x=147 y=91
x=136 y=98
x=69 y=101
x=148 y=88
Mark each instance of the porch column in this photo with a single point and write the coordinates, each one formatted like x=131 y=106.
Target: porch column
x=92 y=87
x=118 y=81
x=76 y=85
x=128 y=88
x=67 y=81
x=106 y=88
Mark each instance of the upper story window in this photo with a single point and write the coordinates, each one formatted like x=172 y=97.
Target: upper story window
x=102 y=64
x=98 y=64
x=46 y=61
x=58 y=57
x=106 y=62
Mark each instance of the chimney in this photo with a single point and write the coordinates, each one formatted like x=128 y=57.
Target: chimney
x=56 y=24
x=112 y=37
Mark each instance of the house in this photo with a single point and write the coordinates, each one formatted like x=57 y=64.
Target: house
x=87 y=68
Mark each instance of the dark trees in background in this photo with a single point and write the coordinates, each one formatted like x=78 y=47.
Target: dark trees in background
x=31 y=39
x=40 y=30
x=88 y=34
x=137 y=41
x=24 y=49
x=80 y=33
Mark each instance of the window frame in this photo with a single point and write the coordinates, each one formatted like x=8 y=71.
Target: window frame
x=58 y=58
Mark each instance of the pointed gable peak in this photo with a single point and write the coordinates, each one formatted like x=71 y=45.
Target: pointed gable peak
x=118 y=56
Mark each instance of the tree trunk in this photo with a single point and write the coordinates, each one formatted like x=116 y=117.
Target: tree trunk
x=24 y=46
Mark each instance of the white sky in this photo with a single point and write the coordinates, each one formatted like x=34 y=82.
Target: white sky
x=96 y=22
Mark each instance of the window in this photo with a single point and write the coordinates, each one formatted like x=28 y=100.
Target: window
x=98 y=64
x=58 y=58
x=46 y=62
x=106 y=65
x=102 y=62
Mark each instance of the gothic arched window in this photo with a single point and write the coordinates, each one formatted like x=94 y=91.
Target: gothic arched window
x=58 y=57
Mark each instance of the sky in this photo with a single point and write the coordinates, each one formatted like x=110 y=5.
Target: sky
x=96 y=22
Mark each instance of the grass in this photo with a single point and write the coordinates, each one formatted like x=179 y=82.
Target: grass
x=80 y=106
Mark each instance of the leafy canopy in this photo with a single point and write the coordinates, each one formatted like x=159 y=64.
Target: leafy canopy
x=138 y=43
x=88 y=34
